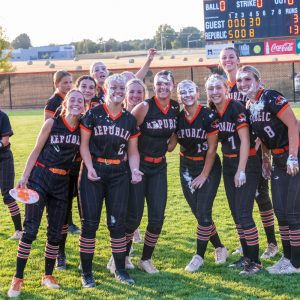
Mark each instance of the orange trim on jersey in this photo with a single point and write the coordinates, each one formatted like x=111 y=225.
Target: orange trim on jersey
x=231 y=84
x=242 y=125
x=192 y=157
x=258 y=94
x=135 y=136
x=282 y=109
x=163 y=110
x=72 y=129
x=194 y=116
x=225 y=107
x=110 y=115
x=62 y=96
x=84 y=128
x=213 y=132
x=50 y=111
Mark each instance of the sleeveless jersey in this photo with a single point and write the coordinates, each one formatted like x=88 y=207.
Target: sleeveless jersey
x=61 y=146
x=264 y=118
x=231 y=120
x=235 y=95
x=53 y=103
x=192 y=134
x=109 y=134
x=157 y=128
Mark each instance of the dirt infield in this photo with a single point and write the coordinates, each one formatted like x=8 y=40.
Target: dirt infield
x=162 y=60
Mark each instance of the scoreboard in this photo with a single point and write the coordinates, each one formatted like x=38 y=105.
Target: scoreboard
x=251 y=19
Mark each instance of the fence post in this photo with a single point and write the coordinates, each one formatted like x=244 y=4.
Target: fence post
x=9 y=90
x=192 y=74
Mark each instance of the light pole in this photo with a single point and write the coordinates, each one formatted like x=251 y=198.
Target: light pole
x=188 y=39
x=162 y=41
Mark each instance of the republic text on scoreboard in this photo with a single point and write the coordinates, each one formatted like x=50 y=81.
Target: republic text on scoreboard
x=250 y=19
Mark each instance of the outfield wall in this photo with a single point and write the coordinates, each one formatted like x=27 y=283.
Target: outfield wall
x=31 y=90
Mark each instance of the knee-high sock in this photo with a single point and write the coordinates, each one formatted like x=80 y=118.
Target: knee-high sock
x=151 y=237
x=22 y=257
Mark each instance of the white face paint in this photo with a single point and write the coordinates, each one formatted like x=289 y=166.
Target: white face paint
x=247 y=84
x=163 y=86
x=116 y=89
x=187 y=93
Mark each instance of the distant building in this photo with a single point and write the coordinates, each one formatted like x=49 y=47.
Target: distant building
x=44 y=52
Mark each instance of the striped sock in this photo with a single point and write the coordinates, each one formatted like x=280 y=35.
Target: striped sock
x=51 y=252
x=203 y=235
x=22 y=257
x=87 y=249
x=243 y=242
x=129 y=238
x=118 y=248
x=267 y=218
x=15 y=214
x=251 y=236
x=214 y=237
x=285 y=239
x=150 y=243
x=295 y=245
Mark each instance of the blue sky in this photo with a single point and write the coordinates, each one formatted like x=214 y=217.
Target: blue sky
x=68 y=21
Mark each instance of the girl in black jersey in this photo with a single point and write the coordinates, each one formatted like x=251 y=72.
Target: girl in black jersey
x=241 y=169
x=109 y=136
x=157 y=119
x=274 y=122
x=229 y=62
x=87 y=86
x=62 y=81
x=46 y=172
x=7 y=174
x=200 y=168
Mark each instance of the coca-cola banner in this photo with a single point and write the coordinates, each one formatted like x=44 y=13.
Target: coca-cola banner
x=280 y=47
x=298 y=46
x=250 y=49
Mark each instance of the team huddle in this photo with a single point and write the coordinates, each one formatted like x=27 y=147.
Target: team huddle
x=105 y=141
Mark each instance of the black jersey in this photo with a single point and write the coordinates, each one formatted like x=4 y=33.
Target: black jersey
x=99 y=97
x=61 y=146
x=231 y=120
x=192 y=134
x=264 y=118
x=54 y=103
x=157 y=128
x=235 y=95
x=5 y=128
x=109 y=134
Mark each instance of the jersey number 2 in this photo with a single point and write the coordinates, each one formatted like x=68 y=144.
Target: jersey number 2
x=121 y=152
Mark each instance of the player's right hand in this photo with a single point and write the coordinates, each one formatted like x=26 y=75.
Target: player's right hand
x=22 y=183
x=92 y=175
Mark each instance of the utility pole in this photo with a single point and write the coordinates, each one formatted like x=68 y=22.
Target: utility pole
x=162 y=41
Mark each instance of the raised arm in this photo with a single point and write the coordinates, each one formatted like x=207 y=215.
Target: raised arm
x=142 y=72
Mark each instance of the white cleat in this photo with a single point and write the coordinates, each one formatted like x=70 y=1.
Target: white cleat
x=196 y=262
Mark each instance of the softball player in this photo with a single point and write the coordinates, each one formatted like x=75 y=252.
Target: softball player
x=62 y=81
x=87 y=86
x=241 y=169
x=109 y=135
x=200 y=168
x=46 y=172
x=157 y=119
x=7 y=174
x=274 y=122
x=229 y=61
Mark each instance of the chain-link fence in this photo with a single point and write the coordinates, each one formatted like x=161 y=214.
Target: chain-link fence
x=31 y=90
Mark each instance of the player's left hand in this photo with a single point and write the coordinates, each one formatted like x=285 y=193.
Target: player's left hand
x=22 y=183
x=292 y=165
x=198 y=182
x=136 y=176
x=239 y=178
x=151 y=53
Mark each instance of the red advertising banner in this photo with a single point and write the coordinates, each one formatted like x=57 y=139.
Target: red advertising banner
x=280 y=47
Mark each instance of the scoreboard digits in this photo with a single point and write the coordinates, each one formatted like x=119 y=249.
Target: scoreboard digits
x=250 y=19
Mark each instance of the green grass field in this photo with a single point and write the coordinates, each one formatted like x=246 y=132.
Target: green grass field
x=175 y=248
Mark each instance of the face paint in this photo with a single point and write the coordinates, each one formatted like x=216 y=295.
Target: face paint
x=163 y=83
x=116 y=88
x=187 y=93
x=247 y=84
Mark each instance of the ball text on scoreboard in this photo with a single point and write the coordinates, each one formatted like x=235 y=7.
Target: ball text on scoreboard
x=250 y=19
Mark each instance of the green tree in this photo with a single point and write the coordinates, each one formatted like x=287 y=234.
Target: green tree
x=164 y=37
x=21 y=41
x=189 y=37
x=5 y=53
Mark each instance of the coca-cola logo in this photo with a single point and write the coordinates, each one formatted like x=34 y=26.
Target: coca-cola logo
x=286 y=47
